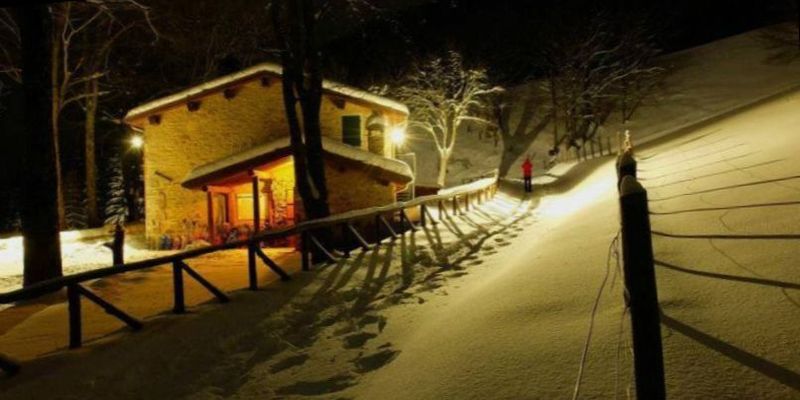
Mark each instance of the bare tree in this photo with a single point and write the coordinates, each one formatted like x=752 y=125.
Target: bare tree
x=9 y=47
x=442 y=94
x=596 y=70
x=519 y=118
x=114 y=19
x=296 y=24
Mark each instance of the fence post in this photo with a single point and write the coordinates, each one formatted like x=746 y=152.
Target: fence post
x=640 y=281
x=626 y=166
x=118 y=245
x=179 y=306
x=346 y=240
x=74 y=307
x=304 y=248
x=252 y=273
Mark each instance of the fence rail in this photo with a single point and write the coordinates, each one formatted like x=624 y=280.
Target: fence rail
x=477 y=191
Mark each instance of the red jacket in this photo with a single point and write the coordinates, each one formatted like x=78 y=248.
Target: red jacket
x=527 y=168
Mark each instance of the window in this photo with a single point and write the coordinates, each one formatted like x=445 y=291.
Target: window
x=351 y=130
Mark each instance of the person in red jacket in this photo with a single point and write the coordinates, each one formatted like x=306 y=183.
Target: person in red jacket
x=527 y=170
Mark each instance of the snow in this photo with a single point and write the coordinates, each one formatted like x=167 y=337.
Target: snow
x=282 y=145
x=81 y=250
x=217 y=84
x=499 y=309
x=704 y=83
x=494 y=304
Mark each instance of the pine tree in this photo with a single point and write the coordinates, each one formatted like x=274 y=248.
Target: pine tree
x=116 y=202
x=75 y=203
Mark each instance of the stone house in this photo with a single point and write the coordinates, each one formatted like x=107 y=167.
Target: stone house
x=211 y=150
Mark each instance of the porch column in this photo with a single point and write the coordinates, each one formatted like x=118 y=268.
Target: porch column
x=256 y=203
x=212 y=229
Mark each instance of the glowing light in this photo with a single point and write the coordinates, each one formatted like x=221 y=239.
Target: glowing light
x=575 y=200
x=137 y=141
x=398 y=135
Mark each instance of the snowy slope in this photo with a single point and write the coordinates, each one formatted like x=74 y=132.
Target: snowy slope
x=732 y=305
x=703 y=82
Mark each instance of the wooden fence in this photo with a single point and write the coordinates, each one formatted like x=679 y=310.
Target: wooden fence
x=594 y=148
x=310 y=242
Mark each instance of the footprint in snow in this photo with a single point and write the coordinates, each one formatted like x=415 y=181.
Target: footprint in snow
x=374 y=361
x=315 y=388
x=358 y=340
x=289 y=362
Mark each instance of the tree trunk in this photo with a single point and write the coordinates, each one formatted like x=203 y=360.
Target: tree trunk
x=92 y=212
x=444 y=158
x=302 y=83
x=55 y=108
x=554 y=106
x=40 y=216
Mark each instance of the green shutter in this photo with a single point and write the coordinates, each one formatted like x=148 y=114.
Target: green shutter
x=351 y=130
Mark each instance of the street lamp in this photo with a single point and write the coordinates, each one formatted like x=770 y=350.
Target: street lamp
x=137 y=142
x=398 y=136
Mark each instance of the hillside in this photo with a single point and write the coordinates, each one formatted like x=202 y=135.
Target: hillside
x=702 y=83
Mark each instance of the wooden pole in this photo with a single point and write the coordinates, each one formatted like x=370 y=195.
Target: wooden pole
x=74 y=307
x=252 y=272
x=118 y=245
x=640 y=280
x=256 y=203
x=179 y=306
x=346 y=239
x=272 y=265
x=212 y=230
x=304 y=251
x=626 y=166
x=222 y=297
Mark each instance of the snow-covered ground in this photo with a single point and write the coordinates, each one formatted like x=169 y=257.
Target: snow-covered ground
x=702 y=83
x=80 y=251
x=326 y=323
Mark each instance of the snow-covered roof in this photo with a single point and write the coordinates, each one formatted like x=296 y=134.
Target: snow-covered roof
x=253 y=72
x=382 y=167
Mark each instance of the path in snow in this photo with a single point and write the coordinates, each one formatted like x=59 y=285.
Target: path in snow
x=728 y=239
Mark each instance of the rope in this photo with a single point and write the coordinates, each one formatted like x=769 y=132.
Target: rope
x=579 y=380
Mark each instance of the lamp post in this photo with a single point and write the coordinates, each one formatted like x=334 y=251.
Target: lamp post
x=398 y=137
